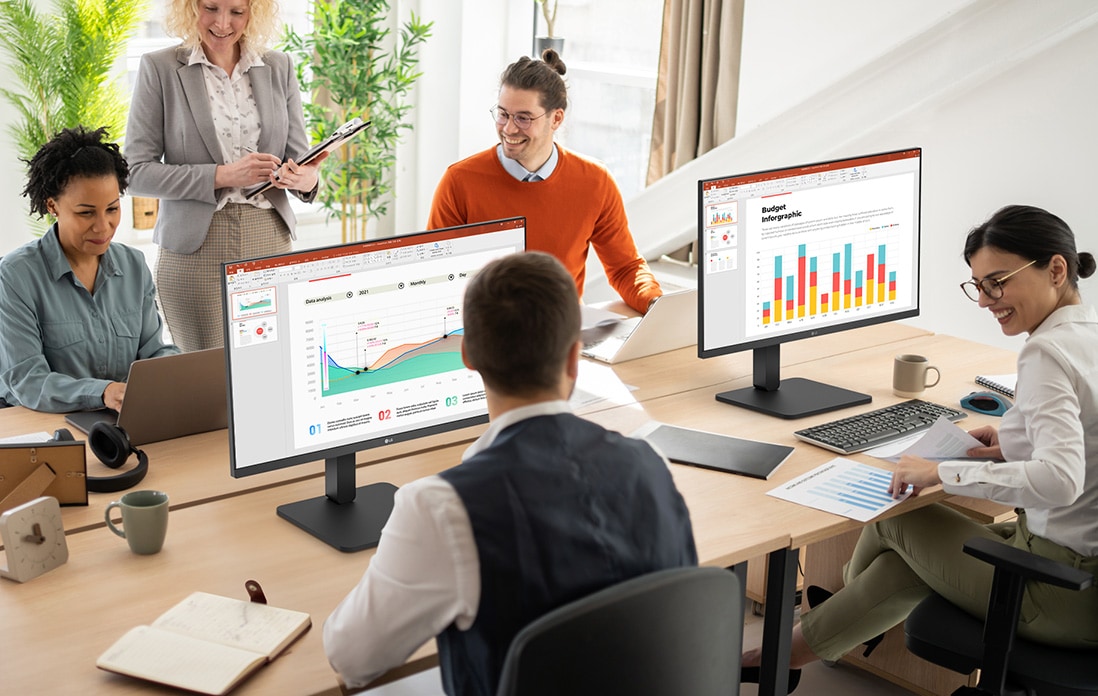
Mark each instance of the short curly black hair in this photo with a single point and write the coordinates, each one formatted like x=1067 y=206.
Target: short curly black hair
x=73 y=152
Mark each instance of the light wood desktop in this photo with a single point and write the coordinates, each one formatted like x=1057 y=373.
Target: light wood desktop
x=227 y=532
x=828 y=537
x=195 y=469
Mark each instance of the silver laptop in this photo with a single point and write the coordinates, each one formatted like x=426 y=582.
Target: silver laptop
x=168 y=397
x=671 y=322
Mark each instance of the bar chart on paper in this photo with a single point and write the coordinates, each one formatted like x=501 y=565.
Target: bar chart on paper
x=843 y=487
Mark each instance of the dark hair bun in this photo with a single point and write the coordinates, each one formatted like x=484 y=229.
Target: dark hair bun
x=553 y=60
x=1086 y=264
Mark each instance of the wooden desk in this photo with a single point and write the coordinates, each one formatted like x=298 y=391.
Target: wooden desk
x=79 y=609
x=868 y=370
x=195 y=469
x=224 y=535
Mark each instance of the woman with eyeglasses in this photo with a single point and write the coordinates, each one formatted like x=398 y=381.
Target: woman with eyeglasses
x=570 y=202
x=1043 y=460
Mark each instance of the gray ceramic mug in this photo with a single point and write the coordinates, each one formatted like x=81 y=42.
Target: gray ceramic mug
x=144 y=520
x=910 y=375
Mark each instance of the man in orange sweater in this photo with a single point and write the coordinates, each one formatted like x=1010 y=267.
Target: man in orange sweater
x=570 y=202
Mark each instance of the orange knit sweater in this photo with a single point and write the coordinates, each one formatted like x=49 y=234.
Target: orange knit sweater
x=577 y=207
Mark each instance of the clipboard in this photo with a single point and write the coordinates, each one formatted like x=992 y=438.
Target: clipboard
x=57 y=469
x=341 y=135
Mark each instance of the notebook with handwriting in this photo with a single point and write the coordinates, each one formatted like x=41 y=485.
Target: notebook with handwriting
x=207 y=643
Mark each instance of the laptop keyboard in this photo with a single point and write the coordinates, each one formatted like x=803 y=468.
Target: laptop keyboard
x=878 y=427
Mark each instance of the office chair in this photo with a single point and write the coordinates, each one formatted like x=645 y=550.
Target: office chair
x=940 y=632
x=677 y=631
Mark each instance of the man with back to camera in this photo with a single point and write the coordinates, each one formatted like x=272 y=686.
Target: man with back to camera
x=544 y=508
x=570 y=201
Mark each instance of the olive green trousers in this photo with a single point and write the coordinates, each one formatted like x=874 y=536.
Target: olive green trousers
x=899 y=561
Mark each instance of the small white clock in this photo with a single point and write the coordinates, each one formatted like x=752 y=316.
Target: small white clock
x=34 y=539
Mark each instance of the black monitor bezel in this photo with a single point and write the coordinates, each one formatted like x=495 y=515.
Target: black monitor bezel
x=816 y=331
x=352 y=448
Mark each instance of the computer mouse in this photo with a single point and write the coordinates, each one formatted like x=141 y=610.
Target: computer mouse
x=63 y=435
x=989 y=403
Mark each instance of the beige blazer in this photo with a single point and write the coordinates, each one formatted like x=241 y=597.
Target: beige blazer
x=172 y=148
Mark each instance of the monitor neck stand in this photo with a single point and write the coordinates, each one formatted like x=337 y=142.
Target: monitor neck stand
x=790 y=398
x=348 y=518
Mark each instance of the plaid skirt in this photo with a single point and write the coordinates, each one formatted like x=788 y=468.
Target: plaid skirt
x=189 y=285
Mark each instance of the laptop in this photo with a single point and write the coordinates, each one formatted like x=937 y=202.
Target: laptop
x=671 y=322
x=168 y=397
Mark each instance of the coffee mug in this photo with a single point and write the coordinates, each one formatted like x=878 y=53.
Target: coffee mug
x=910 y=374
x=144 y=520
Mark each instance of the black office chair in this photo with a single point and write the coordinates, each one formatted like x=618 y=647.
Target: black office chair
x=677 y=631
x=939 y=632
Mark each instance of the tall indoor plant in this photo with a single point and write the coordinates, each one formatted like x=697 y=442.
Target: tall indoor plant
x=352 y=67
x=64 y=66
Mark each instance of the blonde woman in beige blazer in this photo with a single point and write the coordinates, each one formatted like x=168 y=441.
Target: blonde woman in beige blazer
x=208 y=118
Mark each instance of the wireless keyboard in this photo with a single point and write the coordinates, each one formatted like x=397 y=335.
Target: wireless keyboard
x=879 y=427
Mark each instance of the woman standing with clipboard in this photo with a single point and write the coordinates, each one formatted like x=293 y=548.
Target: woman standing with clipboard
x=210 y=117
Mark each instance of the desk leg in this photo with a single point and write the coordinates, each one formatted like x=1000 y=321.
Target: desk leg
x=781 y=594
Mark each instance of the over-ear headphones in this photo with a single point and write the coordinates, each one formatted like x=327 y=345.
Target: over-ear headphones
x=112 y=446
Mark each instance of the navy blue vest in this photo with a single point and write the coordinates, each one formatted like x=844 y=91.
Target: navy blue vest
x=560 y=508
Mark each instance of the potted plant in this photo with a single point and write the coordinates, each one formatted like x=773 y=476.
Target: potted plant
x=352 y=67
x=550 y=40
x=63 y=64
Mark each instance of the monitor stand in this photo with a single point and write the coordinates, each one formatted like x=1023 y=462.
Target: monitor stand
x=790 y=398
x=348 y=518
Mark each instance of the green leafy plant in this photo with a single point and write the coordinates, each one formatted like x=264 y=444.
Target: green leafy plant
x=63 y=63
x=353 y=67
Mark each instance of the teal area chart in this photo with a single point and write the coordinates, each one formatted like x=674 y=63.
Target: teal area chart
x=402 y=363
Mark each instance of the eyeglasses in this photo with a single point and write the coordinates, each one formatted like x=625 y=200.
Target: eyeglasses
x=992 y=287
x=522 y=121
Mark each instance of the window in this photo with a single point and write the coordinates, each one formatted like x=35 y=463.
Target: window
x=611 y=48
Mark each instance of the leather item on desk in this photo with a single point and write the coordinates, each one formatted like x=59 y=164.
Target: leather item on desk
x=57 y=469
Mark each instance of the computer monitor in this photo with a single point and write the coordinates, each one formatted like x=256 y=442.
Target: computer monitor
x=336 y=350
x=802 y=251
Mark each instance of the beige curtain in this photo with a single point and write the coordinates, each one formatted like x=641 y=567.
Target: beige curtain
x=699 y=81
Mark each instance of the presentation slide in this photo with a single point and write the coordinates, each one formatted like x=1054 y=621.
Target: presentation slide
x=371 y=359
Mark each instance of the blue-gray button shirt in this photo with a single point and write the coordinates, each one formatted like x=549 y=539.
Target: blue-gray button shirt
x=60 y=346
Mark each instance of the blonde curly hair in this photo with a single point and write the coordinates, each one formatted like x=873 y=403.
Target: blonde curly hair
x=262 y=30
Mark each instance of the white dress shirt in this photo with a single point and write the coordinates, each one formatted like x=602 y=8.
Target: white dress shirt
x=424 y=576
x=1049 y=438
x=235 y=114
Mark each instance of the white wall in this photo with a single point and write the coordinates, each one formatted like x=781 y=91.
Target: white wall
x=1024 y=134
x=999 y=94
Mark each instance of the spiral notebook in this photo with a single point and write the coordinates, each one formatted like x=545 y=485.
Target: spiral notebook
x=1004 y=384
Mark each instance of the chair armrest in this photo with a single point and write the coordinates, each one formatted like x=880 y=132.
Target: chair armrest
x=1028 y=565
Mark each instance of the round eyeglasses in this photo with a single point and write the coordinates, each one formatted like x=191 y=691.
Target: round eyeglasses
x=522 y=121
x=991 y=287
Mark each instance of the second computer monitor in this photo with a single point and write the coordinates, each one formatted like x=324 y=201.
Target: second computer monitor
x=799 y=251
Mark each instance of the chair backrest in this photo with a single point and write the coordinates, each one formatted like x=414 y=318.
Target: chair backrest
x=677 y=631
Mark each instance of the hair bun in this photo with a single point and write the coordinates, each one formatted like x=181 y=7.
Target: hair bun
x=1086 y=264
x=553 y=60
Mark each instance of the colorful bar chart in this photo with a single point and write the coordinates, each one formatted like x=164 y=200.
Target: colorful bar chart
x=824 y=283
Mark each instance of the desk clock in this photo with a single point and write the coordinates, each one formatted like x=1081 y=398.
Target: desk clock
x=34 y=539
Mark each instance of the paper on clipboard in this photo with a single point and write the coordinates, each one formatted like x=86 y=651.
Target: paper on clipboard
x=341 y=135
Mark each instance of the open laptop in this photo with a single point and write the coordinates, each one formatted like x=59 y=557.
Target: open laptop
x=671 y=322
x=168 y=397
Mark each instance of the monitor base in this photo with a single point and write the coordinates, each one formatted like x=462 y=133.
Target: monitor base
x=350 y=526
x=795 y=397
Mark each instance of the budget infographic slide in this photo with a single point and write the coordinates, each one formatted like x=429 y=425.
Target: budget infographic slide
x=381 y=351
x=827 y=253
